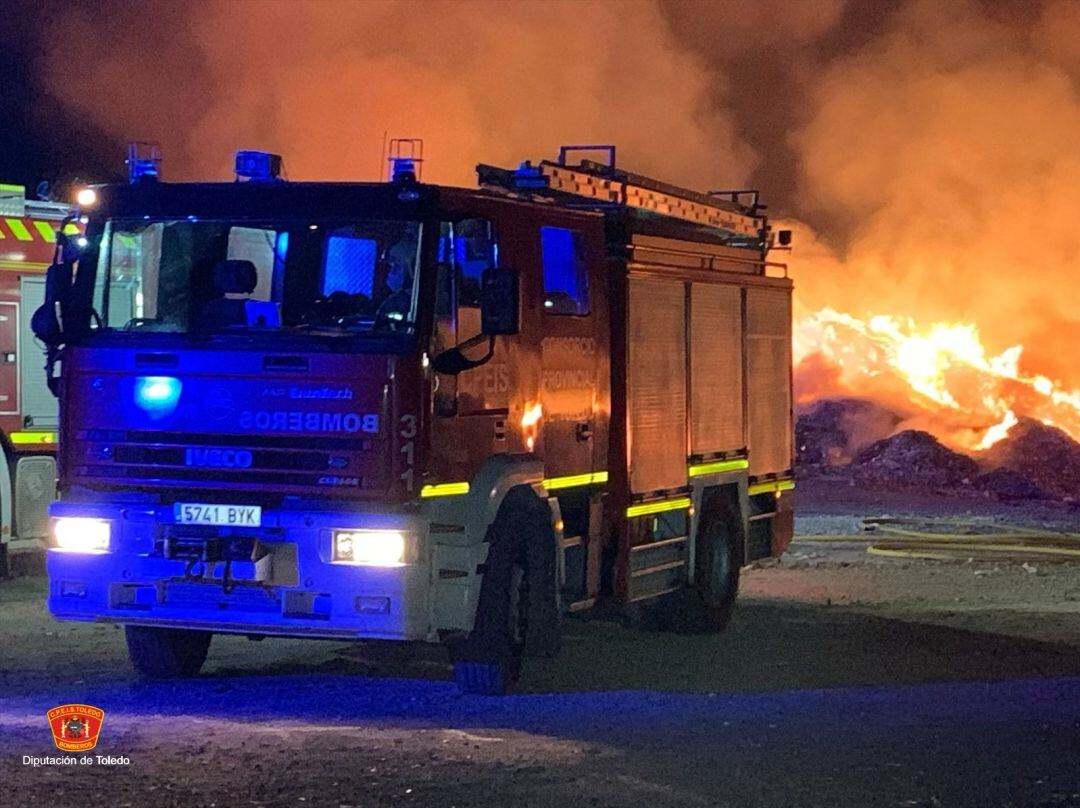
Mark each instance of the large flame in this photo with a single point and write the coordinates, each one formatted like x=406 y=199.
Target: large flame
x=939 y=375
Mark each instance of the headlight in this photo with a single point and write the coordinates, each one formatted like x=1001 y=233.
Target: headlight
x=80 y=534
x=371 y=548
x=86 y=197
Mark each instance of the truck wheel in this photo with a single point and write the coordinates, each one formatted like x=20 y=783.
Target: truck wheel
x=717 y=572
x=517 y=613
x=707 y=606
x=166 y=653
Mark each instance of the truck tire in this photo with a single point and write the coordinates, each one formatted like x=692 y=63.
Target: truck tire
x=717 y=571
x=517 y=613
x=166 y=653
x=707 y=606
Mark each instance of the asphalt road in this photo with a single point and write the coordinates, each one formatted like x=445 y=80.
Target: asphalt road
x=888 y=700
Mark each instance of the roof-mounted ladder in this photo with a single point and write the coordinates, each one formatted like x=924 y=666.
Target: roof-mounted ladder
x=599 y=184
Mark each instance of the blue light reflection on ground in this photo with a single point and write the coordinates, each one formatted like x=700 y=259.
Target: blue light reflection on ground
x=329 y=697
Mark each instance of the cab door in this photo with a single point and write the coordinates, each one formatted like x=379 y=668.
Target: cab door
x=570 y=382
x=469 y=409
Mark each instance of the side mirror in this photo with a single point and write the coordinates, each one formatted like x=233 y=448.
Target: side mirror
x=499 y=303
x=451 y=361
x=45 y=323
x=784 y=238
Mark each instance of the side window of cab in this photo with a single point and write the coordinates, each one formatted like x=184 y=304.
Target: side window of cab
x=466 y=248
x=566 y=274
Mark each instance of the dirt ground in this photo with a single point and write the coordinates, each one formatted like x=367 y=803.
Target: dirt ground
x=845 y=680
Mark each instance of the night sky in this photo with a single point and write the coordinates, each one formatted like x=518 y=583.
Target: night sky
x=39 y=137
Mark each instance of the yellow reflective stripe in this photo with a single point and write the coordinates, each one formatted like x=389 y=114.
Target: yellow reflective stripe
x=444 y=490
x=772 y=486
x=575 y=480
x=19 y=229
x=718 y=466
x=18 y=189
x=645 y=508
x=32 y=437
x=46 y=231
x=23 y=266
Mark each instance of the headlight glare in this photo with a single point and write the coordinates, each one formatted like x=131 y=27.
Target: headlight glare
x=370 y=548
x=81 y=534
x=86 y=197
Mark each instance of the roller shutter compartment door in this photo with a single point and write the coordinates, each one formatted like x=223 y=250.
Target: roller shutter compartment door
x=38 y=404
x=768 y=379
x=716 y=369
x=656 y=384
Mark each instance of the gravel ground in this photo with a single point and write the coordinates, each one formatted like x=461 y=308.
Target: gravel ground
x=836 y=506
x=845 y=680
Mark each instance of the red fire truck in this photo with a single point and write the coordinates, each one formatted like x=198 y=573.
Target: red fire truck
x=28 y=414
x=404 y=411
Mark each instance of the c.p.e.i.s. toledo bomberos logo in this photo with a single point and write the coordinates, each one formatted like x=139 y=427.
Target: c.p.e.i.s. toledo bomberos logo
x=75 y=727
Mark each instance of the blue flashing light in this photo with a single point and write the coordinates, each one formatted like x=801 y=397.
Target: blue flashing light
x=529 y=176
x=143 y=161
x=157 y=396
x=404 y=169
x=258 y=165
x=143 y=170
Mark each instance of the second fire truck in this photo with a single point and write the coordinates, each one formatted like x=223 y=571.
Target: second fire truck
x=28 y=413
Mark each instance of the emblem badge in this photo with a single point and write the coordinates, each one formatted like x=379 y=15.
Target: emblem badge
x=75 y=727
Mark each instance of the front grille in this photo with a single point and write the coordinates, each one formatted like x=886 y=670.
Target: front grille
x=216 y=439
x=163 y=476
x=179 y=456
x=161 y=458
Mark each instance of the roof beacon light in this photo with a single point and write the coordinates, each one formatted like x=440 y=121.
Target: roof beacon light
x=529 y=176
x=258 y=166
x=406 y=157
x=404 y=169
x=143 y=161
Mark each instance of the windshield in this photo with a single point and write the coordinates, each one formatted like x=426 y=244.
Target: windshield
x=182 y=275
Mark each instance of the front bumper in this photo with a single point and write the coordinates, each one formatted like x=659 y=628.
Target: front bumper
x=305 y=595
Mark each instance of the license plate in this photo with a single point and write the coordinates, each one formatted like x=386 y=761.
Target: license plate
x=200 y=513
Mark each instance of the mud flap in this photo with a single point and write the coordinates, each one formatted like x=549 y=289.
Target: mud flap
x=543 y=637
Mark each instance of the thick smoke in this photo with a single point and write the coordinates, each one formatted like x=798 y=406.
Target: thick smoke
x=929 y=148
x=323 y=83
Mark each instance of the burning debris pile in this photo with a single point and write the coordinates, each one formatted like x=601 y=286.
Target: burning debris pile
x=832 y=432
x=913 y=459
x=1043 y=454
x=867 y=445
x=940 y=372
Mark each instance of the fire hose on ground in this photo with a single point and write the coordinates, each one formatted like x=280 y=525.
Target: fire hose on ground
x=956 y=540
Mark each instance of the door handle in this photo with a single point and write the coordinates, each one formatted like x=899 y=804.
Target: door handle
x=583 y=431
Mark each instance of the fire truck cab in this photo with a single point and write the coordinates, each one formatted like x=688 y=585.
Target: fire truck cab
x=28 y=412
x=413 y=412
